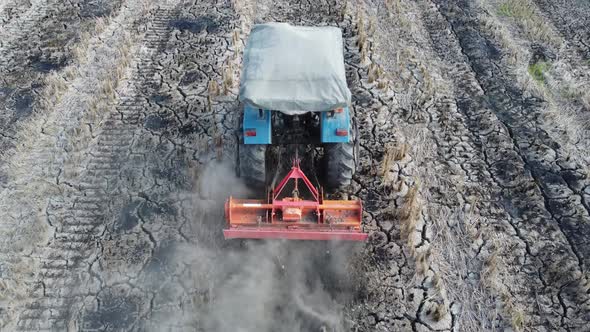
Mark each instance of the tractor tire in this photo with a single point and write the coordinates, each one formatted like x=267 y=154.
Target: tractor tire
x=252 y=164
x=339 y=164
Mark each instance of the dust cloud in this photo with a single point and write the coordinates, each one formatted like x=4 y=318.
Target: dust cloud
x=249 y=285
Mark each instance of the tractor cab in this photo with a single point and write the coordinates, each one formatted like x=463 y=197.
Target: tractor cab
x=293 y=90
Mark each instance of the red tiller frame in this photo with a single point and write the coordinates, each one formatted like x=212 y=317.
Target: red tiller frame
x=292 y=217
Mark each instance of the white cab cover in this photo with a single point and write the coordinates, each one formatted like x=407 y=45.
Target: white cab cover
x=294 y=69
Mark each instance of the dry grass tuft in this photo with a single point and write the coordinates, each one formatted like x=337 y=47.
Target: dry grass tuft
x=228 y=78
x=422 y=259
x=55 y=85
x=70 y=73
x=517 y=319
x=209 y=104
x=343 y=10
x=491 y=279
x=489 y=273
x=437 y=282
x=409 y=212
x=501 y=33
x=426 y=79
x=237 y=42
x=80 y=50
x=360 y=29
x=372 y=26
x=213 y=88
x=411 y=245
x=387 y=161
x=359 y=16
x=374 y=72
x=361 y=41
x=125 y=52
x=439 y=312
x=393 y=6
x=516 y=314
x=410 y=206
x=538 y=71
x=101 y=24
x=236 y=38
x=524 y=12
x=393 y=153
x=363 y=55
x=400 y=151
x=93 y=109
x=108 y=88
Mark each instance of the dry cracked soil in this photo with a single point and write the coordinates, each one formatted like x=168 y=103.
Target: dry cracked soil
x=118 y=146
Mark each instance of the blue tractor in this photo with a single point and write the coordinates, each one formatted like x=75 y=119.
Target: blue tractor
x=293 y=90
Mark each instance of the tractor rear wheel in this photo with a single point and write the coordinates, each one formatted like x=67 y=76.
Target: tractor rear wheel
x=339 y=164
x=253 y=164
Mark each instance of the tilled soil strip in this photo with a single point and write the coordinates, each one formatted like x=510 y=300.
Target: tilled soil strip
x=537 y=187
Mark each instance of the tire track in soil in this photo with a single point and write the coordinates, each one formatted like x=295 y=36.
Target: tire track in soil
x=13 y=38
x=138 y=193
x=33 y=43
x=21 y=23
x=11 y=10
x=168 y=112
x=572 y=20
x=466 y=190
x=80 y=217
x=541 y=191
x=460 y=217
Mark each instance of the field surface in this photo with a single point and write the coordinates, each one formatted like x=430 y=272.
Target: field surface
x=118 y=143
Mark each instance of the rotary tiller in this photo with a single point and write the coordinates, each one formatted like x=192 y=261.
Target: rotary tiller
x=293 y=217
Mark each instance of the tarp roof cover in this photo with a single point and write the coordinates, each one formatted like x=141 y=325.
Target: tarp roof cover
x=294 y=69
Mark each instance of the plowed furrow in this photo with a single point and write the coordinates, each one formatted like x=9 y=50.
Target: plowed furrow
x=37 y=41
x=572 y=19
x=522 y=158
x=76 y=231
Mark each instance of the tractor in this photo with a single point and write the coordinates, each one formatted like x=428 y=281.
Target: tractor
x=293 y=91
